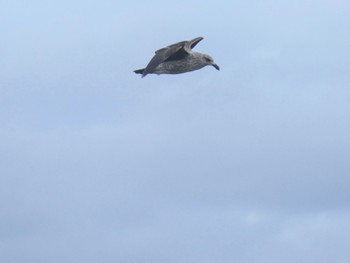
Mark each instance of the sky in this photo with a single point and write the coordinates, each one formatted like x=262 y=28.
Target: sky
x=247 y=164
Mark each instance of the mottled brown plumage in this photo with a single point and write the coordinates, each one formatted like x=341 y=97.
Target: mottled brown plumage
x=177 y=58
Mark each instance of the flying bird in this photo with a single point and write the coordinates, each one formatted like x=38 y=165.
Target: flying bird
x=178 y=58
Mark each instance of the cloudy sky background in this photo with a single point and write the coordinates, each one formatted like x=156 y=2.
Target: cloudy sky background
x=247 y=164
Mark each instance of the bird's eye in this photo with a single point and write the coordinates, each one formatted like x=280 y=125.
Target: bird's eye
x=207 y=59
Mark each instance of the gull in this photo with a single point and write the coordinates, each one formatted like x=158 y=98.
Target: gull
x=177 y=58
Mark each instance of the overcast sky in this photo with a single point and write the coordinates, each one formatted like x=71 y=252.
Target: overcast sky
x=250 y=164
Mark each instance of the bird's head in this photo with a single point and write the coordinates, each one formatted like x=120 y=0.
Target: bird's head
x=210 y=61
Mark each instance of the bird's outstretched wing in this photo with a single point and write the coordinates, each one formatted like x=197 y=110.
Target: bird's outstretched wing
x=192 y=43
x=172 y=52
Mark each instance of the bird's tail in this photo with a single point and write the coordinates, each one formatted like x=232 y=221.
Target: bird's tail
x=139 y=71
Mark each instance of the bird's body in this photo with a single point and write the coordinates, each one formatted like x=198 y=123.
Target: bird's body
x=188 y=63
x=177 y=58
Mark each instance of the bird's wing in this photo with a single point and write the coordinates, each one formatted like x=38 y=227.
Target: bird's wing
x=172 y=52
x=162 y=55
x=191 y=44
x=186 y=48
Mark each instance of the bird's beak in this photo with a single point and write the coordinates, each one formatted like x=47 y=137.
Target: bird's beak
x=215 y=66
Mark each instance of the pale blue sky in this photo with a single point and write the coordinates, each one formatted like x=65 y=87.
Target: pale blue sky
x=248 y=164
